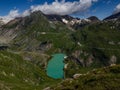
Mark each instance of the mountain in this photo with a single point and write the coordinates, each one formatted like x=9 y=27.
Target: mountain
x=59 y=17
x=72 y=21
x=28 y=42
x=113 y=17
x=1 y=22
x=36 y=33
x=94 y=19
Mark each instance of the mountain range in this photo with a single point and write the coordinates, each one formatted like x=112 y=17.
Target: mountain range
x=27 y=43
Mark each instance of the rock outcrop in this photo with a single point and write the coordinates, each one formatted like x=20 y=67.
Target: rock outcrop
x=113 y=60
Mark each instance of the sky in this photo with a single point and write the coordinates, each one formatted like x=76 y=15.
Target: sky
x=9 y=9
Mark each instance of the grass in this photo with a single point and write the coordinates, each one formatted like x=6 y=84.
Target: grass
x=18 y=74
x=94 y=40
x=102 y=79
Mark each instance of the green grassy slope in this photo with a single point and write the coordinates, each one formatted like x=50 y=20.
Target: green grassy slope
x=102 y=79
x=101 y=40
x=18 y=74
x=100 y=37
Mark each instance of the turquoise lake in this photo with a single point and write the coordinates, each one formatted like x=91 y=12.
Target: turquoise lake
x=55 y=66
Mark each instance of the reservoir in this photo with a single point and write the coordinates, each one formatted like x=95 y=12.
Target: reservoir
x=55 y=66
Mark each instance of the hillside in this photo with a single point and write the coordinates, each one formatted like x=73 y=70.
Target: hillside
x=19 y=74
x=31 y=32
x=102 y=79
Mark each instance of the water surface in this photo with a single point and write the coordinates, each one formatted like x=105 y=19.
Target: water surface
x=55 y=66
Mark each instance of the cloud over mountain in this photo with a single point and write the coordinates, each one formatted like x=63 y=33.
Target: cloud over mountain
x=11 y=15
x=64 y=8
x=117 y=9
x=57 y=7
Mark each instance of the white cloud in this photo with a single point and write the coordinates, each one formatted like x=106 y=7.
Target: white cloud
x=56 y=7
x=12 y=14
x=63 y=8
x=117 y=9
x=26 y=13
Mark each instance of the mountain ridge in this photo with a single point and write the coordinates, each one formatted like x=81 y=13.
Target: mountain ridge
x=113 y=16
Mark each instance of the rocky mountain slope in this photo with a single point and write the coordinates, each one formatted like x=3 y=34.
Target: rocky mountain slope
x=72 y=21
x=113 y=17
x=94 y=19
x=34 y=29
x=1 y=22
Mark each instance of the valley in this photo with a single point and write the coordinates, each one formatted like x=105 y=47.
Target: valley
x=92 y=47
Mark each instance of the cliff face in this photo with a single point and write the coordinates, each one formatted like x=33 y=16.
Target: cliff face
x=82 y=57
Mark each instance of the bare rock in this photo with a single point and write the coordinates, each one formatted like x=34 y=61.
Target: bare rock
x=113 y=60
x=47 y=88
x=89 y=60
x=111 y=43
x=77 y=76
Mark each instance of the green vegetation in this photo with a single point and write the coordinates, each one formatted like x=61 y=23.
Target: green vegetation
x=36 y=29
x=99 y=40
x=19 y=74
x=102 y=79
